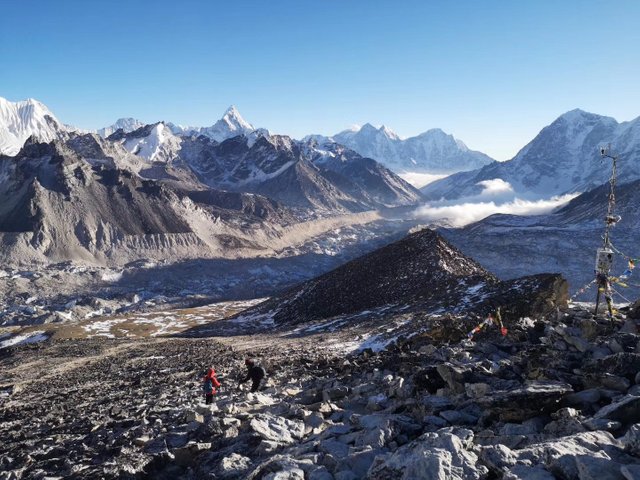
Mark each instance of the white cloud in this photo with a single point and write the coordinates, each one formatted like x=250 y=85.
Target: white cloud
x=495 y=186
x=419 y=180
x=461 y=214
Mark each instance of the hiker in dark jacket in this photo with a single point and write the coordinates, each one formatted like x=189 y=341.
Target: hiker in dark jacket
x=255 y=373
x=210 y=383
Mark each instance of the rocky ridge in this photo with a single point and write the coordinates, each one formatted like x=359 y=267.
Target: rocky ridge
x=71 y=201
x=421 y=272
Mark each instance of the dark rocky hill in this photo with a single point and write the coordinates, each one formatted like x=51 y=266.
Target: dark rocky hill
x=420 y=271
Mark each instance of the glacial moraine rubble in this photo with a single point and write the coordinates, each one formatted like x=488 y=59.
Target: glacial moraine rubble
x=557 y=397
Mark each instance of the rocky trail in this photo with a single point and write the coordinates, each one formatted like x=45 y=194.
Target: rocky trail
x=557 y=397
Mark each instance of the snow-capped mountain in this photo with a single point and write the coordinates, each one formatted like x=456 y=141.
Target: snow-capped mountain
x=433 y=151
x=230 y=125
x=126 y=124
x=21 y=120
x=296 y=173
x=156 y=142
x=563 y=158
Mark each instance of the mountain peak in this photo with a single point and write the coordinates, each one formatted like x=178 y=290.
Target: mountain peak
x=232 y=111
x=127 y=124
x=577 y=114
x=21 y=120
x=388 y=132
x=233 y=118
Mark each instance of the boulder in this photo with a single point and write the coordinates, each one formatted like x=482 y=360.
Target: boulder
x=589 y=329
x=561 y=456
x=277 y=429
x=626 y=410
x=583 y=398
x=359 y=462
x=232 y=466
x=441 y=455
x=625 y=364
x=268 y=447
x=474 y=390
x=454 y=376
x=526 y=472
x=631 y=440
x=615 y=382
x=629 y=326
x=634 y=311
x=528 y=401
x=336 y=393
x=314 y=420
x=191 y=416
x=185 y=455
x=320 y=473
x=598 y=468
x=595 y=424
x=334 y=448
x=291 y=473
x=457 y=417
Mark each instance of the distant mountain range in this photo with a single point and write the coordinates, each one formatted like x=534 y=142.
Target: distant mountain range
x=69 y=187
x=227 y=190
x=563 y=158
x=433 y=151
x=295 y=173
x=230 y=155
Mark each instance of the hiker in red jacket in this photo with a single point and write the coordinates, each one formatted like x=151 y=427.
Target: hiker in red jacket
x=210 y=385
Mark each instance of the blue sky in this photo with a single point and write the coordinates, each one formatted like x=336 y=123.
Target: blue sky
x=493 y=73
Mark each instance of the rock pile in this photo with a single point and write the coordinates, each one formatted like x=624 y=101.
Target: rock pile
x=555 y=398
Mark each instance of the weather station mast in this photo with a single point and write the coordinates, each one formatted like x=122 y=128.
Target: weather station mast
x=604 y=255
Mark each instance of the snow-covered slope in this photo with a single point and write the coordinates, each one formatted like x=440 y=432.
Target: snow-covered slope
x=126 y=124
x=433 y=151
x=20 y=120
x=155 y=142
x=563 y=158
